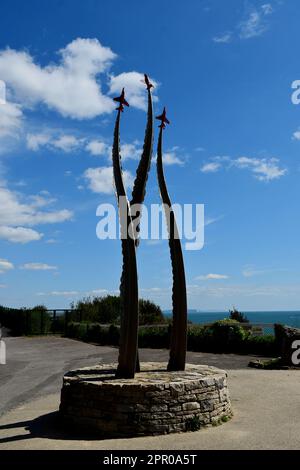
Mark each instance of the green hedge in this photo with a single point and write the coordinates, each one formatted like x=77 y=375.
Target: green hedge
x=225 y=336
x=154 y=337
x=261 y=345
x=94 y=333
x=24 y=321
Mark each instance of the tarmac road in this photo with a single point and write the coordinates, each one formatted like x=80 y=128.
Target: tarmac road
x=35 y=365
x=266 y=404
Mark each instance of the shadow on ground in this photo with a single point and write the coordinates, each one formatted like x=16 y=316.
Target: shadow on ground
x=48 y=426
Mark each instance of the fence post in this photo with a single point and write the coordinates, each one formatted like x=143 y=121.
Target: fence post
x=54 y=321
x=27 y=323
x=66 y=320
x=42 y=322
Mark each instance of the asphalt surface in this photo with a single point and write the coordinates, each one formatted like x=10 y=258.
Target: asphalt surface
x=266 y=403
x=35 y=366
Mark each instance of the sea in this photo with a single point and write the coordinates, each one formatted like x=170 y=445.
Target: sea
x=289 y=318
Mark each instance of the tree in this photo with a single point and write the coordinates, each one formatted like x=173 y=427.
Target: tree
x=150 y=313
x=238 y=316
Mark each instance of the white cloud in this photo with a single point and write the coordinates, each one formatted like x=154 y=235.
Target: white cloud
x=71 y=87
x=210 y=167
x=75 y=293
x=170 y=158
x=127 y=150
x=255 y=24
x=51 y=241
x=296 y=135
x=97 y=292
x=223 y=38
x=5 y=265
x=55 y=293
x=38 y=267
x=38 y=200
x=64 y=142
x=212 y=277
x=212 y=220
x=15 y=212
x=267 y=8
x=96 y=147
x=130 y=151
x=251 y=271
x=135 y=88
x=100 y=180
x=35 y=141
x=18 y=211
x=10 y=120
x=67 y=143
x=19 y=234
x=263 y=169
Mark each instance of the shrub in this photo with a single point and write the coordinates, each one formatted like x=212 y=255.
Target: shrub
x=154 y=337
x=150 y=313
x=93 y=332
x=193 y=424
x=40 y=321
x=224 y=336
x=107 y=309
x=260 y=345
x=98 y=309
x=25 y=321
x=198 y=338
x=238 y=316
x=77 y=330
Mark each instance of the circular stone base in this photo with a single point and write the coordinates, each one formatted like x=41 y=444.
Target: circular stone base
x=154 y=402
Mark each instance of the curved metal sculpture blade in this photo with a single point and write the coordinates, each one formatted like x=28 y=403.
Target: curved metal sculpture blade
x=179 y=327
x=139 y=187
x=129 y=282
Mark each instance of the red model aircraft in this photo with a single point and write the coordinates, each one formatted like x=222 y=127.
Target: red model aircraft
x=148 y=84
x=121 y=99
x=163 y=119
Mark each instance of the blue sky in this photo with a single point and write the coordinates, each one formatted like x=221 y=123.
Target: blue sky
x=224 y=70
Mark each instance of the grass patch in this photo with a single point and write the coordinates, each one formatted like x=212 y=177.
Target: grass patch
x=193 y=424
x=269 y=364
